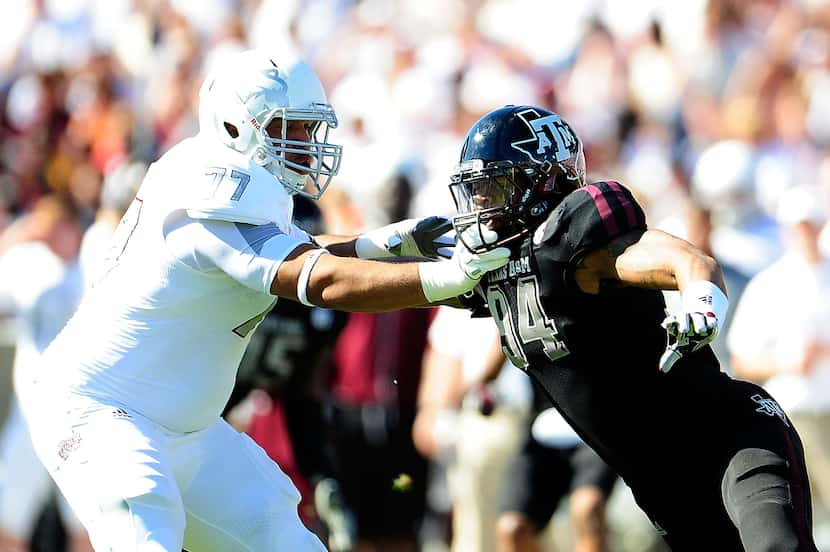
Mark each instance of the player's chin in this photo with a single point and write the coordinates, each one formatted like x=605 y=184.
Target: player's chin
x=496 y=224
x=300 y=163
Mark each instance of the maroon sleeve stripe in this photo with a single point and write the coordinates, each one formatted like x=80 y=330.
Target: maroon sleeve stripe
x=604 y=209
x=630 y=213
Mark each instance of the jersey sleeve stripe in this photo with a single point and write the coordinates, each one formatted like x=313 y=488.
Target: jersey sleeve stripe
x=604 y=209
x=625 y=203
x=256 y=235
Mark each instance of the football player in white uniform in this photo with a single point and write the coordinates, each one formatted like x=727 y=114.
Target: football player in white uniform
x=125 y=408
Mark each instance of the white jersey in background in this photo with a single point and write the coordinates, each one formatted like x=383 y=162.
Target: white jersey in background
x=43 y=292
x=186 y=281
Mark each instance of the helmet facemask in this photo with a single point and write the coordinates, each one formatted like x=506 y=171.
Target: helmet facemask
x=272 y=152
x=507 y=198
x=488 y=197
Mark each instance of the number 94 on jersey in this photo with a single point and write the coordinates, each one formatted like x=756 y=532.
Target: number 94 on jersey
x=531 y=324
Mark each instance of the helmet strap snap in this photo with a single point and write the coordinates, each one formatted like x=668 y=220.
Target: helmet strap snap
x=261 y=157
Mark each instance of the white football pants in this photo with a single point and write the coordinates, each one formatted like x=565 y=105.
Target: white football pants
x=138 y=487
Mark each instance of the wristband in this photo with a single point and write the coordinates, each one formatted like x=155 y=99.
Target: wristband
x=704 y=296
x=444 y=279
x=305 y=275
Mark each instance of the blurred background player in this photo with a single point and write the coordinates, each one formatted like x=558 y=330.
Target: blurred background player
x=508 y=467
x=40 y=282
x=286 y=359
x=375 y=368
x=469 y=424
x=371 y=383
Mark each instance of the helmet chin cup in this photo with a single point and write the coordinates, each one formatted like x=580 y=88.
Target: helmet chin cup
x=479 y=220
x=462 y=223
x=475 y=240
x=294 y=182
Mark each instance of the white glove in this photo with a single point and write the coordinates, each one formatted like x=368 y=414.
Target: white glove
x=703 y=307
x=428 y=237
x=461 y=273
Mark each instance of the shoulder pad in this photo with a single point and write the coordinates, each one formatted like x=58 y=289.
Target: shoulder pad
x=215 y=182
x=591 y=216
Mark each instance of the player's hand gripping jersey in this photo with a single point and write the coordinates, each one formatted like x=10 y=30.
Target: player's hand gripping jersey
x=188 y=278
x=597 y=353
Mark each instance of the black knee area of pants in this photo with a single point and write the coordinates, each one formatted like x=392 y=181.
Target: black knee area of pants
x=756 y=493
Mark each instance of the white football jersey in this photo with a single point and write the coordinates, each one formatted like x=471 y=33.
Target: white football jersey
x=43 y=292
x=184 y=284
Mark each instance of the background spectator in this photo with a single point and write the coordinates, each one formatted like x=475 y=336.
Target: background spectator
x=793 y=361
x=468 y=426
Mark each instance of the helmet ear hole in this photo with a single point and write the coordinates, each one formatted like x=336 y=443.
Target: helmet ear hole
x=231 y=130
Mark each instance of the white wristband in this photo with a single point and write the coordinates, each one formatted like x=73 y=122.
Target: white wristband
x=305 y=274
x=444 y=279
x=704 y=296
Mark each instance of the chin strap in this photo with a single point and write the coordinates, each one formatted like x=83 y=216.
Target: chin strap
x=294 y=180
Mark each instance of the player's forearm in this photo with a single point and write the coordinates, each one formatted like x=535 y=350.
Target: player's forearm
x=661 y=261
x=313 y=277
x=358 y=285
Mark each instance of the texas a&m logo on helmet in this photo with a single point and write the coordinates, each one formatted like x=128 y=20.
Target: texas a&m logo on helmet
x=550 y=137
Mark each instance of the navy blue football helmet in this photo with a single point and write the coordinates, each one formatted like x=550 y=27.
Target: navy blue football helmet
x=516 y=165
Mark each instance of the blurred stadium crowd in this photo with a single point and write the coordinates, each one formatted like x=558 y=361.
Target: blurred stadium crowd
x=715 y=113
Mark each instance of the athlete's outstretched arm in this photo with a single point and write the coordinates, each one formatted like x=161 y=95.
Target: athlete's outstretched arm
x=650 y=259
x=314 y=277
x=349 y=284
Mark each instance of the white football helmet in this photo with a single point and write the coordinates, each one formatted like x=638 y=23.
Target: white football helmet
x=240 y=98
